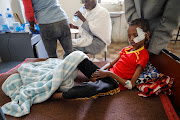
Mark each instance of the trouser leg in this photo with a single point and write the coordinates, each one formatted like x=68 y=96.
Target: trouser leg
x=90 y=89
x=65 y=38
x=53 y=31
x=87 y=67
x=51 y=46
x=49 y=39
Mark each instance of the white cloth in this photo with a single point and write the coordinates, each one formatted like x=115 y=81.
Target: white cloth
x=128 y=84
x=99 y=22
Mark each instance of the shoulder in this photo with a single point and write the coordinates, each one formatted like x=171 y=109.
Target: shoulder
x=144 y=54
x=102 y=9
x=125 y=49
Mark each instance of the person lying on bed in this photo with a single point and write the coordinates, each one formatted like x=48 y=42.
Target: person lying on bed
x=117 y=75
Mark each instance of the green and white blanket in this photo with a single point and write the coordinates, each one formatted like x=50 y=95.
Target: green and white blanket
x=37 y=81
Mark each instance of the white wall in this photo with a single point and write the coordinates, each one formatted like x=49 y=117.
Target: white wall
x=15 y=6
x=4 y=4
x=70 y=7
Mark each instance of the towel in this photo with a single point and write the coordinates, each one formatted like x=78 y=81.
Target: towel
x=37 y=81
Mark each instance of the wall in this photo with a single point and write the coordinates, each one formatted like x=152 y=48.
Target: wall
x=70 y=7
x=119 y=30
x=15 y=6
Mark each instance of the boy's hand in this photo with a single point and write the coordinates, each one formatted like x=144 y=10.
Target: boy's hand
x=99 y=73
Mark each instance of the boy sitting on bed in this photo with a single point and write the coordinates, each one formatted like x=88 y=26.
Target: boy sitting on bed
x=117 y=75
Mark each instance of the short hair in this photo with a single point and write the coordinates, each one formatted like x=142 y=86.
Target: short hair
x=143 y=23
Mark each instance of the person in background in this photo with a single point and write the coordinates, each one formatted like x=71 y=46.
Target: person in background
x=163 y=16
x=95 y=32
x=117 y=75
x=52 y=22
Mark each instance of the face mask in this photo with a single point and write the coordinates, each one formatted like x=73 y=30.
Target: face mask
x=141 y=35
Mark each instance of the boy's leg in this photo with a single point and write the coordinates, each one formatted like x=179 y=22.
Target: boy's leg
x=87 y=67
x=90 y=89
x=86 y=89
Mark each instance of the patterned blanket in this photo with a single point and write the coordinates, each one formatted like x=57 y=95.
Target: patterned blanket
x=162 y=84
x=37 y=81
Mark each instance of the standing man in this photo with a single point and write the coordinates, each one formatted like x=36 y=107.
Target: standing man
x=53 y=24
x=163 y=16
x=95 y=32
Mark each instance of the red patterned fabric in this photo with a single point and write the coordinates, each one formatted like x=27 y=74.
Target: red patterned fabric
x=156 y=86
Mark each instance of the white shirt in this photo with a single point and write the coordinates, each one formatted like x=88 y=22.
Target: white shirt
x=99 y=22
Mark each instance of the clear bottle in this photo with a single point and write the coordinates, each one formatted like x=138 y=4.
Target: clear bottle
x=76 y=18
x=10 y=19
x=3 y=26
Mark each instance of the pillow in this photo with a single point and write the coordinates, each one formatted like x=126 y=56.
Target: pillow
x=149 y=73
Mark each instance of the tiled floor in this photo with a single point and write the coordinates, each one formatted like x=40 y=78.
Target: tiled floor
x=114 y=48
x=174 y=47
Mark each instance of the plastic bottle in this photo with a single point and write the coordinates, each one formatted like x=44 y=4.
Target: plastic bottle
x=76 y=18
x=1 y=20
x=3 y=26
x=10 y=19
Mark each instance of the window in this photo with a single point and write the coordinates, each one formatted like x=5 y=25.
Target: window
x=110 y=1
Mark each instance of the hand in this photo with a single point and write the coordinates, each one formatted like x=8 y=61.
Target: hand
x=99 y=73
x=73 y=26
x=32 y=27
x=80 y=16
x=93 y=79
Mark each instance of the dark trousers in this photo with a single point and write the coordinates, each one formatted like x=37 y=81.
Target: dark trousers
x=89 y=89
x=52 y=32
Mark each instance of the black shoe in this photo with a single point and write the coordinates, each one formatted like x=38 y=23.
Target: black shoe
x=112 y=89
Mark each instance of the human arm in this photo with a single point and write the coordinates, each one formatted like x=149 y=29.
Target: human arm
x=130 y=10
x=29 y=12
x=73 y=26
x=163 y=31
x=80 y=16
x=110 y=64
x=104 y=73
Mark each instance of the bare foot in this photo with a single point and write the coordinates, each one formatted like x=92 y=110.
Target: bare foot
x=57 y=96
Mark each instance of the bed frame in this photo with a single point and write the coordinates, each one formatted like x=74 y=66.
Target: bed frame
x=124 y=105
x=169 y=64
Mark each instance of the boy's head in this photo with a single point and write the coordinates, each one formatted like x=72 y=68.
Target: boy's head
x=138 y=33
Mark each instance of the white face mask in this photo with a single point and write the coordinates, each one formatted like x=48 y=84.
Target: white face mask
x=141 y=35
